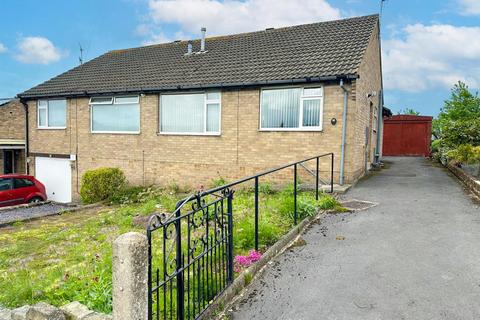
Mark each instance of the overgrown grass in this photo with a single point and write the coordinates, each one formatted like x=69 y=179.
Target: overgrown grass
x=69 y=257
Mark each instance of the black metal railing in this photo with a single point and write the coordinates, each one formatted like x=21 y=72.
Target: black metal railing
x=190 y=258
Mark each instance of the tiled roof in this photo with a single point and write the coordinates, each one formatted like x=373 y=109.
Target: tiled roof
x=318 y=50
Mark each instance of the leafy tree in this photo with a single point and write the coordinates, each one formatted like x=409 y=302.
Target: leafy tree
x=409 y=111
x=463 y=106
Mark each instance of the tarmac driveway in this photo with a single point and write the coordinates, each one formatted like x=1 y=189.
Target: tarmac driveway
x=416 y=255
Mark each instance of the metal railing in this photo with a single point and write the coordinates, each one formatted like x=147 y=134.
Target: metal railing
x=190 y=252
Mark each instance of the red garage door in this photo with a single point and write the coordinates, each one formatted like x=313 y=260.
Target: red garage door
x=406 y=135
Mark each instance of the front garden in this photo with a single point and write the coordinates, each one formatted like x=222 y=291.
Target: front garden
x=69 y=257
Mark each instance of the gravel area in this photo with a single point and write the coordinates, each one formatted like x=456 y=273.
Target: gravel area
x=26 y=213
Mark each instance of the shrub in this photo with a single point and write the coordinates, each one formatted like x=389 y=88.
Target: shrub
x=218 y=182
x=265 y=188
x=102 y=184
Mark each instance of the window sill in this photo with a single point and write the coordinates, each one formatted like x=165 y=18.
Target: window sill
x=291 y=130
x=215 y=134
x=51 y=128
x=115 y=132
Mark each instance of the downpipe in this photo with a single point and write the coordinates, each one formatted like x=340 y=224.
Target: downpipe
x=344 y=132
x=25 y=106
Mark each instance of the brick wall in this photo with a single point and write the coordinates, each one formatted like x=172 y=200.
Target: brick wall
x=149 y=157
x=12 y=124
x=369 y=81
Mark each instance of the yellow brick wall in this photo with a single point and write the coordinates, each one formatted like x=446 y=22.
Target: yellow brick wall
x=368 y=82
x=12 y=121
x=12 y=126
x=150 y=157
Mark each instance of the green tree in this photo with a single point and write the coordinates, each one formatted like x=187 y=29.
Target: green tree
x=462 y=107
x=409 y=111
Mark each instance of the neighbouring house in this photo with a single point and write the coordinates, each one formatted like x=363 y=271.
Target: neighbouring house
x=12 y=137
x=186 y=112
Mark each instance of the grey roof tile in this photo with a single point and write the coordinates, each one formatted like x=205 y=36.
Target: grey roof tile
x=333 y=48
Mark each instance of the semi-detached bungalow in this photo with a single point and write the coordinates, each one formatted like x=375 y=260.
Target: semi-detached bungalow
x=188 y=111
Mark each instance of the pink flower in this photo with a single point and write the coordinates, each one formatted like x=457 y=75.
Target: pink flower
x=246 y=261
x=254 y=256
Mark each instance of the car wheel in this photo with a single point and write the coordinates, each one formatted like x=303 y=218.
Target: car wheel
x=35 y=200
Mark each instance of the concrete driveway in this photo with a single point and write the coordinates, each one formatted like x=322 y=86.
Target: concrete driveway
x=414 y=256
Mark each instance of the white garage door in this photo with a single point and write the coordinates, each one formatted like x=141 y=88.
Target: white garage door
x=56 y=175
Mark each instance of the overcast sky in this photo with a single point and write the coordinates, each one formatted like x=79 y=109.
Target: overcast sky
x=427 y=45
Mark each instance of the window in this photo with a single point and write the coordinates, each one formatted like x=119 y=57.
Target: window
x=190 y=113
x=52 y=114
x=115 y=114
x=292 y=109
x=5 y=184
x=21 y=183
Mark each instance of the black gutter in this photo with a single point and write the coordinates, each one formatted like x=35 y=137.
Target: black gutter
x=190 y=87
x=25 y=106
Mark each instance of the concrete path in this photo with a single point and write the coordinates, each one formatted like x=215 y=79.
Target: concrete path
x=414 y=256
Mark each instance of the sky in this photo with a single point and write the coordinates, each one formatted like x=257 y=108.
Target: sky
x=427 y=45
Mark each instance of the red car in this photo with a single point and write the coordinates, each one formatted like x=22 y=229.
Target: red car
x=19 y=188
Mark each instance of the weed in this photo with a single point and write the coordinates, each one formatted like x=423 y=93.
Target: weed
x=248 y=278
x=218 y=182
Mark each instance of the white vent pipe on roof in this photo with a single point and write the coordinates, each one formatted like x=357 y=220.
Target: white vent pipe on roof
x=202 y=42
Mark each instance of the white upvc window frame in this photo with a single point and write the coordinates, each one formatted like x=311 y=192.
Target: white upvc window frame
x=303 y=98
x=46 y=127
x=206 y=102
x=113 y=101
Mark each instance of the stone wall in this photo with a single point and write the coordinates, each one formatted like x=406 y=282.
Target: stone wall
x=469 y=181
x=43 y=311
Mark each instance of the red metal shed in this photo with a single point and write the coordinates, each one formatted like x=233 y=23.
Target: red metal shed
x=407 y=135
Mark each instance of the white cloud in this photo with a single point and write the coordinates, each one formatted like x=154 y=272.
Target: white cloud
x=469 y=7
x=2 y=48
x=233 y=16
x=432 y=56
x=37 y=50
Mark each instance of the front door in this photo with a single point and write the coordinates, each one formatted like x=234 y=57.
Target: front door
x=8 y=162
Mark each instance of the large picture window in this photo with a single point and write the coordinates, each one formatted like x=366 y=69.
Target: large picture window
x=52 y=114
x=115 y=114
x=291 y=109
x=190 y=113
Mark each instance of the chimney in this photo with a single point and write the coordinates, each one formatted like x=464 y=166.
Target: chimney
x=189 y=48
x=202 y=43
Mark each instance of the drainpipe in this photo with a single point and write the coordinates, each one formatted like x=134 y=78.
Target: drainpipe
x=25 y=106
x=379 y=127
x=344 y=131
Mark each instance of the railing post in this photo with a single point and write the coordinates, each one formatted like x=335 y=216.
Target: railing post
x=149 y=274
x=179 y=267
x=256 y=213
x=295 y=193
x=316 y=179
x=331 y=174
x=230 y=236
